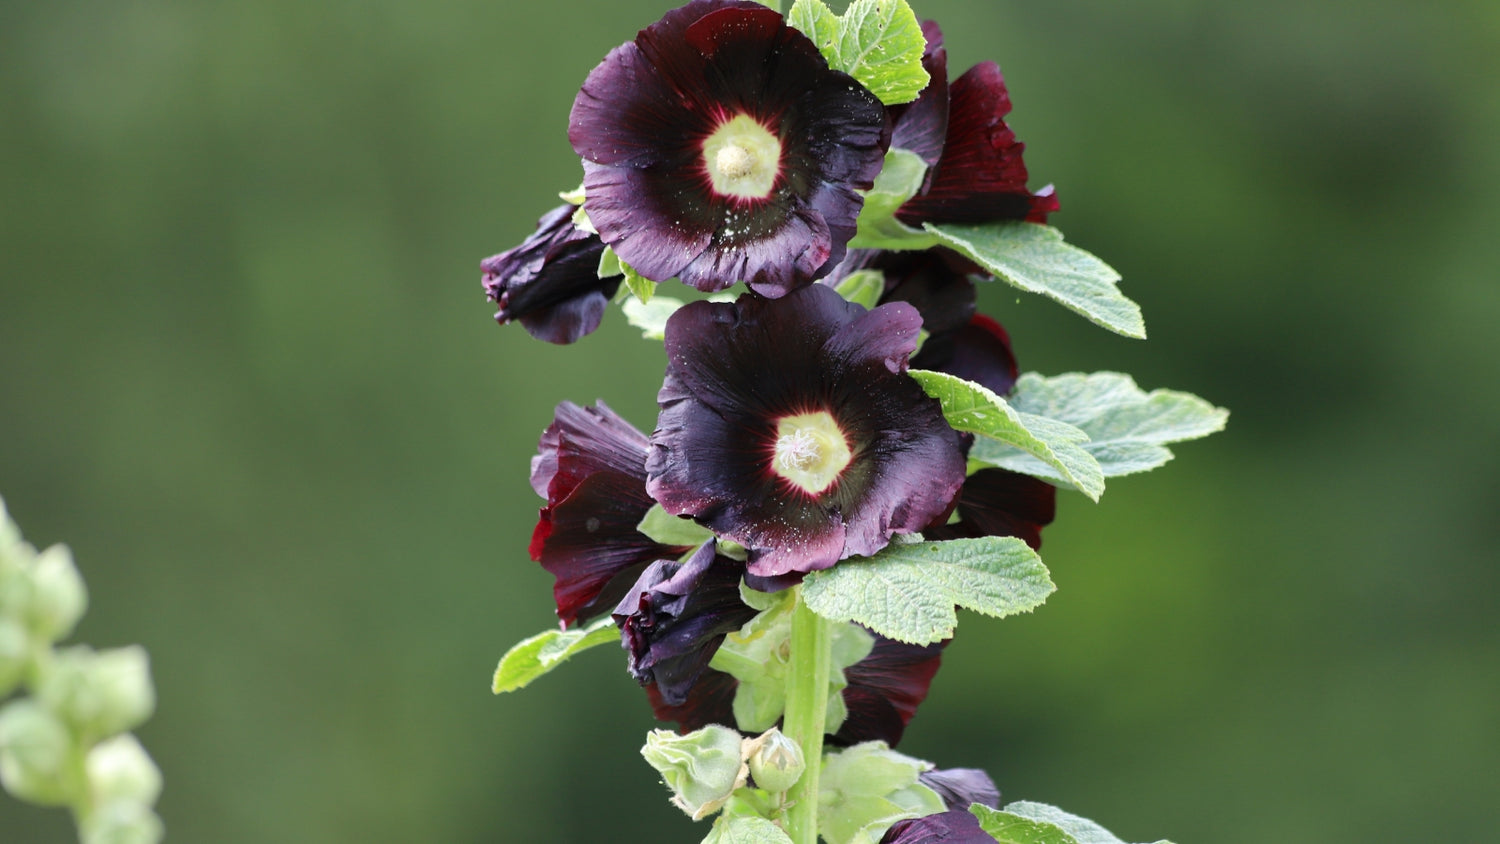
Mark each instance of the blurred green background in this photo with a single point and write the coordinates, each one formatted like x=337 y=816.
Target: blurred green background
x=247 y=372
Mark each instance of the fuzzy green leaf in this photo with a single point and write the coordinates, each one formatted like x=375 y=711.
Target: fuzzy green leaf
x=641 y=287
x=531 y=658
x=881 y=45
x=742 y=829
x=1127 y=427
x=668 y=529
x=1077 y=829
x=651 y=317
x=974 y=408
x=1008 y=828
x=1035 y=258
x=814 y=19
x=909 y=590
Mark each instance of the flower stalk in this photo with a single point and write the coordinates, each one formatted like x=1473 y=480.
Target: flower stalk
x=811 y=663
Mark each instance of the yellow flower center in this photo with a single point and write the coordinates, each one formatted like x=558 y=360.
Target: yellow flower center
x=743 y=158
x=810 y=451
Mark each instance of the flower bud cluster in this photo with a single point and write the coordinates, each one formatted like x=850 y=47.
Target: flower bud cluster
x=67 y=743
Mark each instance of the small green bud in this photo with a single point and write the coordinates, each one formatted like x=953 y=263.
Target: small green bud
x=100 y=694
x=119 y=769
x=38 y=759
x=703 y=768
x=58 y=597
x=15 y=653
x=122 y=822
x=776 y=762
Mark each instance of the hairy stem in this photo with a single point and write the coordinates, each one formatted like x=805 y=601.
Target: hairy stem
x=811 y=662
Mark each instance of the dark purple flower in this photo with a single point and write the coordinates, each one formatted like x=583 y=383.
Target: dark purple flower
x=790 y=427
x=719 y=147
x=550 y=283
x=956 y=826
x=883 y=692
x=590 y=467
x=999 y=502
x=962 y=787
x=939 y=284
x=980 y=176
x=674 y=618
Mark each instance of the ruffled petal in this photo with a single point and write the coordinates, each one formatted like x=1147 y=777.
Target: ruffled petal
x=550 y=283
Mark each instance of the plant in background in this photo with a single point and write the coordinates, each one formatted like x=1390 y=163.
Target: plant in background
x=847 y=451
x=68 y=743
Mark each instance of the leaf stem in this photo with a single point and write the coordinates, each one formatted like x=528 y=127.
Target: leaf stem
x=810 y=664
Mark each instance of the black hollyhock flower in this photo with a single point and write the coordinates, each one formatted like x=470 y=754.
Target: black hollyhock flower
x=999 y=502
x=590 y=467
x=674 y=618
x=883 y=692
x=980 y=176
x=720 y=147
x=962 y=787
x=550 y=283
x=955 y=826
x=790 y=427
x=938 y=283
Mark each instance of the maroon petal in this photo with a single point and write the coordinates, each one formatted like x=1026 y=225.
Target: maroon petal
x=980 y=352
x=550 y=283
x=981 y=177
x=710 y=701
x=590 y=467
x=674 y=618
x=885 y=689
x=921 y=126
x=956 y=826
x=999 y=502
x=962 y=787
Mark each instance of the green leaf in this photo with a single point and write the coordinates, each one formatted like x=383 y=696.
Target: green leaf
x=863 y=287
x=814 y=19
x=974 y=408
x=868 y=787
x=1008 y=828
x=1034 y=258
x=651 y=317
x=1127 y=427
x=531 y=658
x=909 y=590
x=899 y=180
x=1080 y=830
x=609 y=264
x=668 y=529
x=878 y=42
x=881 y=45
x=739 y=829
x=572 y=197
x=641 y=287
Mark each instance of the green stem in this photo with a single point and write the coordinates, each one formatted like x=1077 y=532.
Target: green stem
x=810 y=664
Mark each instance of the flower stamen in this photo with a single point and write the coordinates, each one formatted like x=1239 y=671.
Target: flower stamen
x=810 y=451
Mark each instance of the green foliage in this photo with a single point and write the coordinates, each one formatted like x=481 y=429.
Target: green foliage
x=668 y=529
x=909 y=590
x=1024 y=822
x=878 y=42
x=1035 y=258
x=651 y=317
x=974 y=408
x=533 y=657
x=745 y=829
x=863 y=287
x=866 y=788
x=1127 y=428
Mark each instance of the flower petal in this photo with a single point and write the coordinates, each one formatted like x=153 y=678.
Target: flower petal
x=550 y=283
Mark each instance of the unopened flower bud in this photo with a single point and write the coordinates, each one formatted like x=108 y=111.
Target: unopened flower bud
x=122 y=822
x=58 y=597
x=100 y=694
x=15 y=647
x=703 y=768
x=120 y=770
x=776 y=762
x=38 y=760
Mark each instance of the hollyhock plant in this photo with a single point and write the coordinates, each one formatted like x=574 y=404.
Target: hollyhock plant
x=719 y=146
x=789 y=427
x=846 y=453
x=550 y=283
